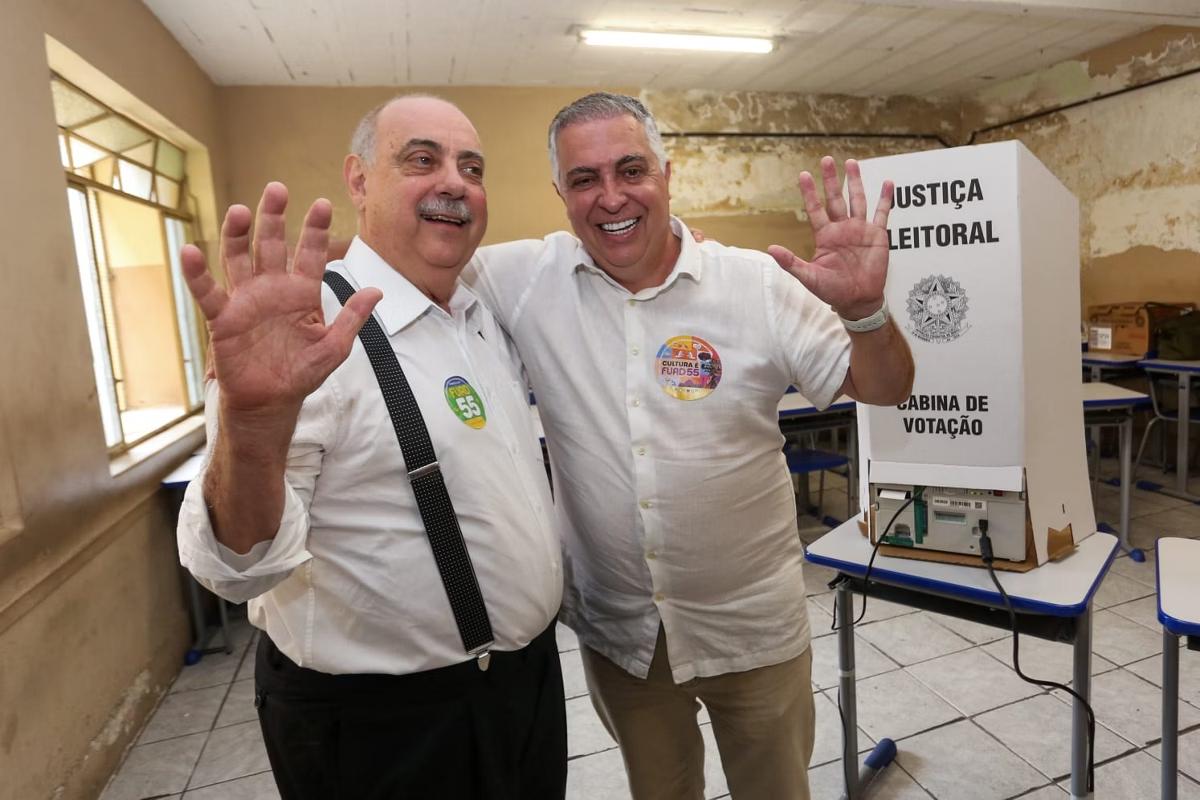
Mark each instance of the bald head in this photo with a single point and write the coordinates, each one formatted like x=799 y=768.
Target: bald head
x=364 y=141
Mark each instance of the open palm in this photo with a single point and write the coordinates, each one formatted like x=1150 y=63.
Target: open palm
x=849 y=266
x=270 y=345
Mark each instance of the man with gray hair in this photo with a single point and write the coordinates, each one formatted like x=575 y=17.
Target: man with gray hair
x=388 y=522
x=658 y=364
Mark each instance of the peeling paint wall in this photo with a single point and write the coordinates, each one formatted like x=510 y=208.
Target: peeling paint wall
x=741 y=189
x=1132 y=159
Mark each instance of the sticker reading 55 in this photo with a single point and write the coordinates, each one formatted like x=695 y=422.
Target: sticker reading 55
x=465 y=402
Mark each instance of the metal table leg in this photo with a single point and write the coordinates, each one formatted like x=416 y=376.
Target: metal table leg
x=1181 y=436
x=1082 y=680
x=1170 y=716
x=1125 y=439
x=846 y=690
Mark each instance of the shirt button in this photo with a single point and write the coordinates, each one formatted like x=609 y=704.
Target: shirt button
x=659 y=597
x=646 y=504
x=633 y=351
x=653 y=554
x=631 y=302
x=636 y=402
x=641 y=451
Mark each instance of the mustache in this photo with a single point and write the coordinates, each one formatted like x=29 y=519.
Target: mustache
x=445 y=206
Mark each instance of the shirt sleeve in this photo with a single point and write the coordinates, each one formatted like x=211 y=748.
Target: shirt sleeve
x=502 y=274
x=240 y=577
x=811 y=342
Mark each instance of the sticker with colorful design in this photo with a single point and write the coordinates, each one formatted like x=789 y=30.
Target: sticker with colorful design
x=465 y=402
x=687 y=368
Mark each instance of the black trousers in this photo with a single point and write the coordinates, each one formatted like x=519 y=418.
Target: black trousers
x=455 y=733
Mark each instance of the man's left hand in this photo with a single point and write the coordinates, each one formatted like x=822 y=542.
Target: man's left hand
x=849 y=267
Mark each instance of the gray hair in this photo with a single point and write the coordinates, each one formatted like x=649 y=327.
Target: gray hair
x=362 y=142
x=604 y=105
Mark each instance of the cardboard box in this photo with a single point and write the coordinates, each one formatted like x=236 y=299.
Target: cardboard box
x=1129 y=328
x=984 y=281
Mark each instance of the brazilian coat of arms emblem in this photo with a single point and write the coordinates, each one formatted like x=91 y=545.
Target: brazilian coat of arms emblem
x=937 y=309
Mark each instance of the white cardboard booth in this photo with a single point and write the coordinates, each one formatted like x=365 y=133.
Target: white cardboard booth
x=984 y=282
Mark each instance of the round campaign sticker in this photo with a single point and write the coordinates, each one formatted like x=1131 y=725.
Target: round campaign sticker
x=465 y=402
x=687 y=367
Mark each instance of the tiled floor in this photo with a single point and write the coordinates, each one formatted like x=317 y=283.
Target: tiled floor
x=965 y=726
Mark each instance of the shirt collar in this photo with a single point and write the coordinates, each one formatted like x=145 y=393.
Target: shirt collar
x=688 y=263
x=402 y=303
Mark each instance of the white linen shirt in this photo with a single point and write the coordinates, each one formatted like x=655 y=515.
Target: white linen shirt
x=348 y=584
x=671 y=509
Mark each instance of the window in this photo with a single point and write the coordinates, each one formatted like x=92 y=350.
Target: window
x=130 y=215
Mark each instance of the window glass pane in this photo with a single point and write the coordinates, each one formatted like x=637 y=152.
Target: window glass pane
x=135 y=180
x=93 y=308
x=72 y=107
x=143 y=153
x=170 y=160
x=83 y=153
x=185 y=314
x=153 y=389
x=167 y=191
x=114 y=133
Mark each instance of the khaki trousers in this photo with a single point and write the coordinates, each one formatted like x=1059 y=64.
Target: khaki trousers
x=763 y=720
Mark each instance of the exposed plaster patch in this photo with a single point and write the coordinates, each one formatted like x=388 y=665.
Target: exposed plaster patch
x=1167 y=218
x=123 y=717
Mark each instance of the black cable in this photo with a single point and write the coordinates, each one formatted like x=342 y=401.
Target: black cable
x=871 y=562
x=985 y=547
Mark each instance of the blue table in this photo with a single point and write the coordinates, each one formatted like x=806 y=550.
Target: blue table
x=176 y=483
x=1053 y=601
x=1183 y=372
x=1097 y=362
x=1179 y=613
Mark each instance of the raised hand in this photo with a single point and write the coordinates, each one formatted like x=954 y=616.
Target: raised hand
x=849 y=267
x=270 y=346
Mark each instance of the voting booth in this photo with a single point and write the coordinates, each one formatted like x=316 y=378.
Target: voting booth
x=984 y=282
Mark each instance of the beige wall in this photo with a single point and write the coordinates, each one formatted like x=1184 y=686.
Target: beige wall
x=1131 y=159
x=92 y=626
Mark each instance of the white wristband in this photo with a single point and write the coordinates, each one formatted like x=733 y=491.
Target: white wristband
x=868 y=323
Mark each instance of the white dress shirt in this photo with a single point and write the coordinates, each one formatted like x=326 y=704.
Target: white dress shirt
x=348 y=584
x=672 y=509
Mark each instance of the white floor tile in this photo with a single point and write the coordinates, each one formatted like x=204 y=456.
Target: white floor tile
x=181 y=713
x=895 y=704
x=975 y=632
x=876 y=609
x=574 y=682
x=585 y=732
x=1046 y=793
x=1130 y=706
x=239 y=705
x=253 y=787
x=828 y=740
x=597 y=777
x=972 y=681
x=565 y=638
x=912 y=638
x=1187 y=757
x=715 y=784
x=961 y=761
x=1115 y=589
x=1144 y=612
x=214 y=669
x=1136 y=777
x=1140 y=571
x=867 y=661
x=1048 y=661
x=1039 y=730
x=1189 y=674
x=151 y=770
x=233 y=752
x=1121 y=641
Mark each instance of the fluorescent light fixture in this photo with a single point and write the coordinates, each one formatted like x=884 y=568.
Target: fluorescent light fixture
x=676 y=41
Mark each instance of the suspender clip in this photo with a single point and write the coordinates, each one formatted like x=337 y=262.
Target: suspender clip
x=421 y=472
x=483 y=656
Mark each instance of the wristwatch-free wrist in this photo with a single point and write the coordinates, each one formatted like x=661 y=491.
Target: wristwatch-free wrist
x=867 y=323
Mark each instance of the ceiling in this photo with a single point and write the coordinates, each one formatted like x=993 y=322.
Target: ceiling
x=860 y=47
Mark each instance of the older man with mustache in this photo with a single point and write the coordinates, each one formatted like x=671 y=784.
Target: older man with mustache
x=406 y=586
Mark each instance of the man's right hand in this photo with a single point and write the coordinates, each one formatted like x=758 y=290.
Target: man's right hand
x=270 y=346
